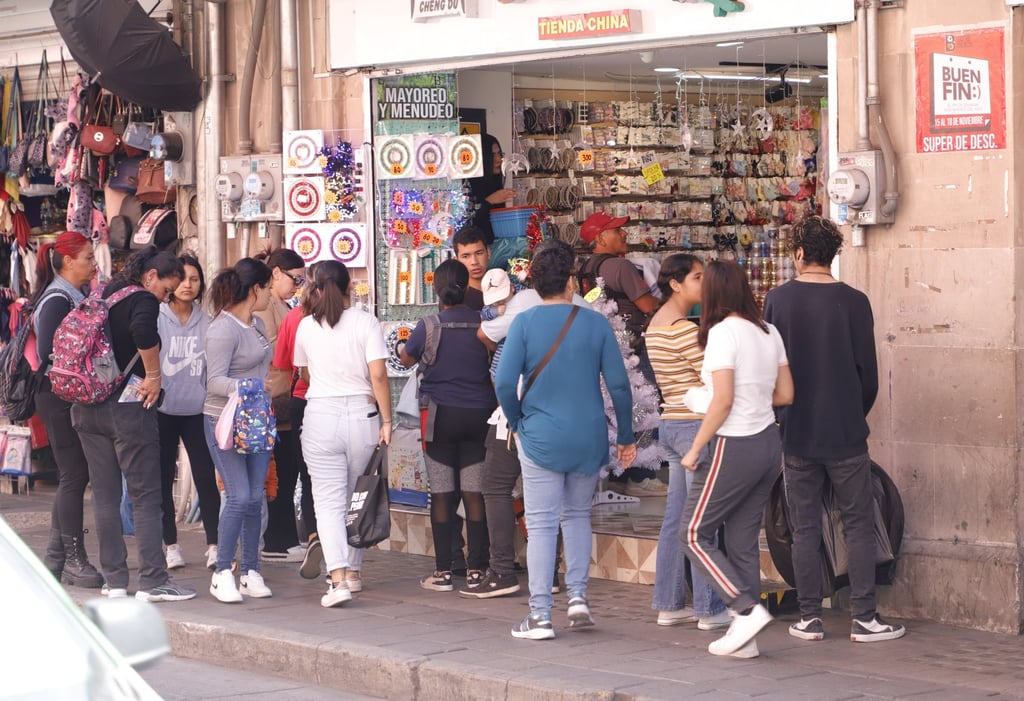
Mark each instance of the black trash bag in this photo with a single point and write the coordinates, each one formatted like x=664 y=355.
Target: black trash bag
x=889 y=533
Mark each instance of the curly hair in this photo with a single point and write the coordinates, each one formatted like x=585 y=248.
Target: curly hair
x=819 y=238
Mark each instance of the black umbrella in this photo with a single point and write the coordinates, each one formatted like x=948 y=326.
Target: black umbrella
x=127 y=52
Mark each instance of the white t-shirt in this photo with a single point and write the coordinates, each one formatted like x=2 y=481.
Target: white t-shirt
x=337 y=357
x=755 y=358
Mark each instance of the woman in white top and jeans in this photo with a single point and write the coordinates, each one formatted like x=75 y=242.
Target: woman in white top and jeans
x=746 y=368
x=341 y=352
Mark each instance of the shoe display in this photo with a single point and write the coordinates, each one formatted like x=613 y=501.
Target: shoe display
x=741 y=631
x=674 y=618
x=337 y=595
x=113 y=592
x=254 y=586
x=809 y=629
x=222 y=587
x=722 y=619
x=354 y=581
x=168 y=591
x=314 y=555
x=211 y=558
x=174 y=557
x=438 y=581
x=534 y=627
x=491 y=586
x=648 y=487
x=875 y=630
x=579 y=612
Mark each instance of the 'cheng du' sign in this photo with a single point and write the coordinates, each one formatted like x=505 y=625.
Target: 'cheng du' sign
x=423 y=10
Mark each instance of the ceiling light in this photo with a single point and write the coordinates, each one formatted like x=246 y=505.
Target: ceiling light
x=726 y=44
x=666 y=69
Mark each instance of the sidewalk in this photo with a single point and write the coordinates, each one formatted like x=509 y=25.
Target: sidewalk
x=397 y=641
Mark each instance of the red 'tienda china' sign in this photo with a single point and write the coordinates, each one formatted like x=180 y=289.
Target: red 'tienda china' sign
x=591 y=24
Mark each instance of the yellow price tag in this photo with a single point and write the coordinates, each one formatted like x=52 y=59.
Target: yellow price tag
x=405 y=277
x=403 y=333
x=653 y=173
x=428 y=278
x=592 y=296
x=397 y=169
x=465 y=156
x=585 y=158
x=430 y=169
x=401 y=227
x=416 y=207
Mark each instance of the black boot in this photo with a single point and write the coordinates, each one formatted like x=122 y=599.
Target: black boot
x=54 y=558
x=77 y=570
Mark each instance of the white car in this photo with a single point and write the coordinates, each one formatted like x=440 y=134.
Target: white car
x=49 y=647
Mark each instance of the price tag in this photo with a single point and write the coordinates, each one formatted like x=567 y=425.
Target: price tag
x=363 y=289
x=430 y=169
x=465 y=156
x=416 y=207
x=403 y=333
x=405 y=277
x=431 y=239
x=401 y=227
x=592 y=296
x=398 y=198
x=397 y=169
x=653 y=173
x=428 y=278
x=585 y=158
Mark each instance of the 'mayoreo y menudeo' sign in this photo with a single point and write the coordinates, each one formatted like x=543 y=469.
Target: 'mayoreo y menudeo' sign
x=422 y=97
x=423 y=10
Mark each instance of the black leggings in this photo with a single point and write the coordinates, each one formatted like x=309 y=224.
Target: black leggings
x=72 y=468
x=188 y=429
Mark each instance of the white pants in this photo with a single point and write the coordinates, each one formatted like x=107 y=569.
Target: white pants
x=338 y=438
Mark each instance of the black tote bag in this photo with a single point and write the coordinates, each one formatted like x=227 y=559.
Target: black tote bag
x=368 y=520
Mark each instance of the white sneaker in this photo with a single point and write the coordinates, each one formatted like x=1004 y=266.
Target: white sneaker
x=674 y=618
x=748 y=651
x=222 y=586
x=337 y=595
x=254 y=586
x=354 y=581
x=211 y=558
x=741 y=631
x=722 y=619
x=113 y=592
x=174 y=557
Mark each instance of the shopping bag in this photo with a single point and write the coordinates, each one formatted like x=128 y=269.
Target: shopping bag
x=225 y=429
x=368 y=521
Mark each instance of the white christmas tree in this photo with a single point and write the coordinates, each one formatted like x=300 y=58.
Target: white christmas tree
x=645 y=396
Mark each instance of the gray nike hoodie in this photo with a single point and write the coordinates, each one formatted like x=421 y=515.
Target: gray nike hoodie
x=183 y=361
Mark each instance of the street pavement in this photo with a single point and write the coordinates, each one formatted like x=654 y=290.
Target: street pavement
x=398 y=641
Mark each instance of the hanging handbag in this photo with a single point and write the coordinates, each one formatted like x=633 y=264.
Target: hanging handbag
x=98 y=136
x=368 y=520
x=125 y=175
x=119 y=120
x=152 y=188
x=12 y=123
x=37 y=146
x=5 y=150
x=157 y=227
x=138 y=134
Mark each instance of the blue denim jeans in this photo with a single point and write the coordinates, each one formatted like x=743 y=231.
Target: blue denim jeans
x=244 y=477
x=676 y=436
x=551 y=497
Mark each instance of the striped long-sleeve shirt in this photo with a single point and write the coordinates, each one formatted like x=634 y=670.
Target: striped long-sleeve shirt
x=676 y=358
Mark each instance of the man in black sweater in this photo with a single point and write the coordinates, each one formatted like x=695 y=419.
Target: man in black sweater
x=828 y=330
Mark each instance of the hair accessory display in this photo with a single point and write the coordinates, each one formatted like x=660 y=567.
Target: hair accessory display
x=394 y=156
x=396 y=333
x=431 y=156
x=302 y=151
x=304 y=198
x=465 y=158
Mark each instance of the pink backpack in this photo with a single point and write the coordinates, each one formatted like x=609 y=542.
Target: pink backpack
x=84 y=369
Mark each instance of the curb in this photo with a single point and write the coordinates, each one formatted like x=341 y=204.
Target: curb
x=356 y=668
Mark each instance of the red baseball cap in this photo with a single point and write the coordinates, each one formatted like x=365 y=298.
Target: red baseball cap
x=598 y=222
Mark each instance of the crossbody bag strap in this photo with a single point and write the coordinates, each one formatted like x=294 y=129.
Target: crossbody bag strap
x=551 y=351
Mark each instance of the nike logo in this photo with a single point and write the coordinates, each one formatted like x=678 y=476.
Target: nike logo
x=169 y=367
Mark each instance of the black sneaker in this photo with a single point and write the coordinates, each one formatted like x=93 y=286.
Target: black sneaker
x=808 y=629
x=168 y=591
x=534 y=627
x=474 y=578
x=310 y=568
x=875 y=630
x=438 y=581
x=491 y=586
